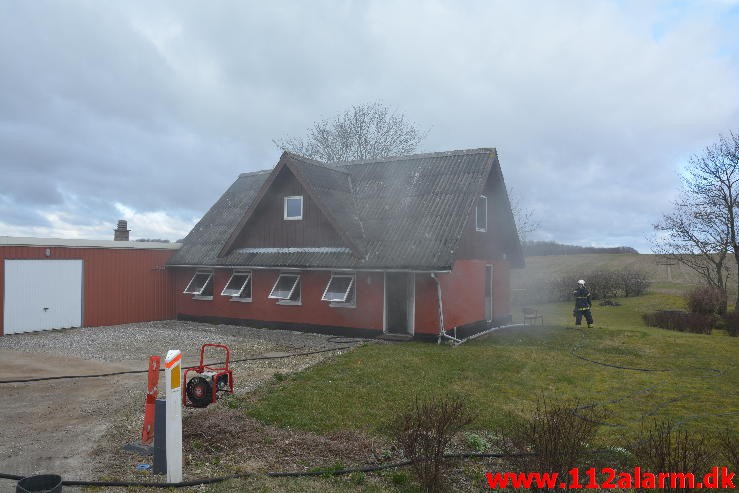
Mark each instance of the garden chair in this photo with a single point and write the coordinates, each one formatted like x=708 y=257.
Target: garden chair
x=531 y=315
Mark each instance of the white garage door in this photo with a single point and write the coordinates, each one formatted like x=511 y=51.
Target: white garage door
x=42 y=295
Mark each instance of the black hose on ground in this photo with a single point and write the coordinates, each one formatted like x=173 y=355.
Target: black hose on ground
x=275 y=474
x=134 y=372
x=654 y=410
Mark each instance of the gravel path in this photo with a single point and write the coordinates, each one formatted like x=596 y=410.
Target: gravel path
x=58 y=425
x=135 y=342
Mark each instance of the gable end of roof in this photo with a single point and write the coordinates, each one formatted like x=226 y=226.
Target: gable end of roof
x=308 y=172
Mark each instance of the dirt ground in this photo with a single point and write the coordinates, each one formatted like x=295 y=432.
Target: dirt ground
x=53 y=426
x=56 y=426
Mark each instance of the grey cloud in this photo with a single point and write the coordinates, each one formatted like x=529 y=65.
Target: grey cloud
x=158 y=107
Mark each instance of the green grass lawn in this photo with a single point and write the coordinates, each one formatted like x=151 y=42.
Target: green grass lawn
x=503 y=374
x=631 y=373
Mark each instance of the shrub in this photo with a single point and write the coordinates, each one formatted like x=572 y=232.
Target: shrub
x=602 y=284
x=681 y=321
x=706 y=300
x=731 y=323
x=661 y=448
x=729 y=448
x=424 y=431
x=476 y=442
x=633 y=283
x=556 y=436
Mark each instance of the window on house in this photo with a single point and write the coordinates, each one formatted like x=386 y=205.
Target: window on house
x=286 y=289
x=239 y=286
x=481 y=214
x=294 y=208
x=340 y=290
x=201 y=284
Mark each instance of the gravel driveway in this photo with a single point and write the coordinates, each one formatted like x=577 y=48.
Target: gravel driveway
x=57 y=424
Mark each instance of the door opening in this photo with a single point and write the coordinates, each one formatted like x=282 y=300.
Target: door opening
x=399 y=305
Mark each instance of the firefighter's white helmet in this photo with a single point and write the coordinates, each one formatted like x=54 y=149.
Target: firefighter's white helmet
x=581 y=282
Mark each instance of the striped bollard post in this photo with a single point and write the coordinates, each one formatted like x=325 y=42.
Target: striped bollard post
x=173 y=377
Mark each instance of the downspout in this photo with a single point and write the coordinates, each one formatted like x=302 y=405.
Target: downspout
x=442 y=332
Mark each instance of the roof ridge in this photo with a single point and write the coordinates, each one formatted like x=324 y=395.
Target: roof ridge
x=315 y=162
x=252 y=173
x=423 y=155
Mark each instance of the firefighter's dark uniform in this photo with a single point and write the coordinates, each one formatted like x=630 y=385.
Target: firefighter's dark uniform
x=583 y=303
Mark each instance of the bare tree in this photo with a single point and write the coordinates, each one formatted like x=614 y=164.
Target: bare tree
x=526 y=222
x=695 y=238
x=702 y=230
x=365 y=131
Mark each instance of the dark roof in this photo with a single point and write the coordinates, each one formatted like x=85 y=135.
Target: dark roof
x=404 y=212
x=207 y=237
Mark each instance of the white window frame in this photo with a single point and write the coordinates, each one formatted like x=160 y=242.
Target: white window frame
x=352 y=287
x=480 y=200
x=235 y=294
x=292 y=218
x=286 y=300
x=198 y=294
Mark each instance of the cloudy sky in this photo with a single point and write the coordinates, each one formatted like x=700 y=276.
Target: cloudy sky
x=147 y=111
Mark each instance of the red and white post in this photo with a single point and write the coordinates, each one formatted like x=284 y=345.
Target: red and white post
x=173 y=377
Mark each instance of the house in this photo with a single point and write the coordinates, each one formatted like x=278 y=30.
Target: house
x=51 y=283
x=405 y=245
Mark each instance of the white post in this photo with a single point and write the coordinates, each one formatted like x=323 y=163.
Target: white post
x=173 y=377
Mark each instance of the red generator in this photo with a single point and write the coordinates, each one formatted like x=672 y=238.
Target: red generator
x=202 y=389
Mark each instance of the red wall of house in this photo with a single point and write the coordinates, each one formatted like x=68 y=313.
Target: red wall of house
x=501 y=290
x=462 y=292
x=120 y=285
x=427 y=307
x=368 y=313
x=463 y=296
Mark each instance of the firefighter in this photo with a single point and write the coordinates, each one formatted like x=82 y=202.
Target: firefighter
x=583 y=302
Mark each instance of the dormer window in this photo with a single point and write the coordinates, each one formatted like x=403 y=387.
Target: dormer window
x=481 y=214
x=293 y=208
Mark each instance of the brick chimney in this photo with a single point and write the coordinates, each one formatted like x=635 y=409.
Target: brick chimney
x=121 y=232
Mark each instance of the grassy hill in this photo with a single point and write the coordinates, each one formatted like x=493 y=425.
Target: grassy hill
x=540 y=269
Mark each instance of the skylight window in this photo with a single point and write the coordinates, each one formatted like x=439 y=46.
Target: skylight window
x=294 y=208
x=286 y=289
x=201 y=284
x=481 y=214
x=238 y=286
x=340 y=290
